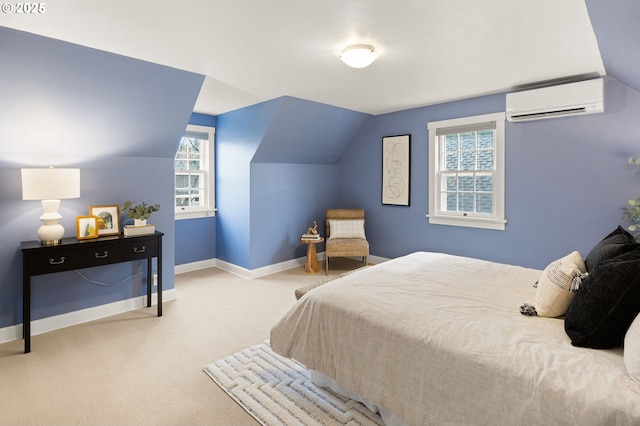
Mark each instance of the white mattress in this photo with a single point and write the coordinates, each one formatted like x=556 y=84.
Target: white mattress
x=438 y=339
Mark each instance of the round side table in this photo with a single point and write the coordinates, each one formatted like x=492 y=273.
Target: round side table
x=311 y=265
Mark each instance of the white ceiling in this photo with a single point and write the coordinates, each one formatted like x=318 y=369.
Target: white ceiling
x=430 y=51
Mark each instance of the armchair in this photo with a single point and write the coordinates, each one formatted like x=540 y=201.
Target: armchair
x=345 y=235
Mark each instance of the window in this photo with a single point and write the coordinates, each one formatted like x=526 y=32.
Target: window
x=466 y=172
x=194 y=196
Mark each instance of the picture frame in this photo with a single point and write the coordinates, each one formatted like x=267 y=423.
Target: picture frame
x=108 y=219
x=396 y=167
x=86 y=227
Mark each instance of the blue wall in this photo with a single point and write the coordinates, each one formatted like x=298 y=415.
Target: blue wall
x=198 y=119
x=566 y=182
x=196 y=238
x=238 y=135
x=285 y=200
x=117 y=119
x=615 y=23
x=276 y=172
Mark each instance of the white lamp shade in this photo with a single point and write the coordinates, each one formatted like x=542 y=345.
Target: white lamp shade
x=358 y=56
x=50 y=184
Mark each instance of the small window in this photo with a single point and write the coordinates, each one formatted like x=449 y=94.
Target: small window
x=466 y=172
x=194 y=196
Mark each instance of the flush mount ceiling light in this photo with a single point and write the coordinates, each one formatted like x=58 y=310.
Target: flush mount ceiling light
x=358 y=55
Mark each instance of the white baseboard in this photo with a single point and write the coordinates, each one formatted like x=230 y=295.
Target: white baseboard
x=84 y=315
x=195 y=266
x=243 y=272
x=265 y=270
x=259 y=272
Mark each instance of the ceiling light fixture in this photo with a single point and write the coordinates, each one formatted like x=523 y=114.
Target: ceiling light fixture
x=358 y=55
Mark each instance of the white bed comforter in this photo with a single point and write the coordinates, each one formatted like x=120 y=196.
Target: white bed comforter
x=438 y=339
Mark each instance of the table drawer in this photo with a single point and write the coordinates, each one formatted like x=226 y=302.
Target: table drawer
x=55 y=261
x=101 y=255
x=140 y=249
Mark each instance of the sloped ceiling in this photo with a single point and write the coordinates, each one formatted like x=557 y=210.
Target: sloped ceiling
x=76 y=103
x=430 y=51
x=617 y=26
x=306 y=132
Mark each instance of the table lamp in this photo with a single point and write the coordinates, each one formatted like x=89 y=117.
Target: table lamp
x=50 y=186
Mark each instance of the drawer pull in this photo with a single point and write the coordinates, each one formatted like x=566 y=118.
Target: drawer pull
x=60 y=262
x=139 y=250
x=101 y=256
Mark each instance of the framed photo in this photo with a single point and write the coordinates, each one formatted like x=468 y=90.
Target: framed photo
x=396 y=156
x=86 y=227
x=108 y=219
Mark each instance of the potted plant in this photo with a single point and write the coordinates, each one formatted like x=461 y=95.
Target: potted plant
x=632 y=210
x=140 y=212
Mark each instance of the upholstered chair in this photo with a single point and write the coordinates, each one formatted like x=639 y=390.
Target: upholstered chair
x=345 y=235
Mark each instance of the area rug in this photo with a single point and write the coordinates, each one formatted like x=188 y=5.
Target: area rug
x=277 y=391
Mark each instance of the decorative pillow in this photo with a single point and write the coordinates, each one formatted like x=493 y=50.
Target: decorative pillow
x=557 y=284
x=617 y=242
x=351 y=228
x=606 y=304
x=632 y=350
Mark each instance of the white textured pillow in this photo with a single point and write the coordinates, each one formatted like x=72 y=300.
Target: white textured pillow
x=554 y=286
x=351 y=228
x=632 y=350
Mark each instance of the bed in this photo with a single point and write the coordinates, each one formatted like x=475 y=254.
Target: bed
x=436 y=339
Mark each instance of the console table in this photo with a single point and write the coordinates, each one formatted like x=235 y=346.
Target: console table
x=72 y=254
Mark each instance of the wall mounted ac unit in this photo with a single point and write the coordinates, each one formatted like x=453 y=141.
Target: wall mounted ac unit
x=583 y=97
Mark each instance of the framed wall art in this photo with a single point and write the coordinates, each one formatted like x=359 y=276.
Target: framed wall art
x=396 y=155
x=108 y=219
x=86 y=227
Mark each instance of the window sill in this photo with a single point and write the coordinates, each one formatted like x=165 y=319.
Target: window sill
x=469 y=222
x=194 y=214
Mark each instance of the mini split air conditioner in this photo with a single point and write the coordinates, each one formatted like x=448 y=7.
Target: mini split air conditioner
x=583 y=97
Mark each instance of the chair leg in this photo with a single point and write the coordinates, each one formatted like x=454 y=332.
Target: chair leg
x=326 y=266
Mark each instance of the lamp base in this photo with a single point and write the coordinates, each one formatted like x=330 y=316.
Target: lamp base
x=50 y=235
x=51 y=232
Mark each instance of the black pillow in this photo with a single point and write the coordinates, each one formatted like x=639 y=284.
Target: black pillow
x=614 y=244
x=606 y=303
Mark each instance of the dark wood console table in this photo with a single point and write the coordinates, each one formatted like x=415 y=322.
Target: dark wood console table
x=72 y=254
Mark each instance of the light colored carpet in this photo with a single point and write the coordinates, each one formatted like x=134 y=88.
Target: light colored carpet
x=277 y=391
x=135 y=369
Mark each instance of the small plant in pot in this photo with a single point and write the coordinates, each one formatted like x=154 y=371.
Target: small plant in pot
x=632 y=209
x=140 y=212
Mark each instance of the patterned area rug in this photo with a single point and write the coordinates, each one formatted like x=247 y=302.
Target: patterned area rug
x=277 y=391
